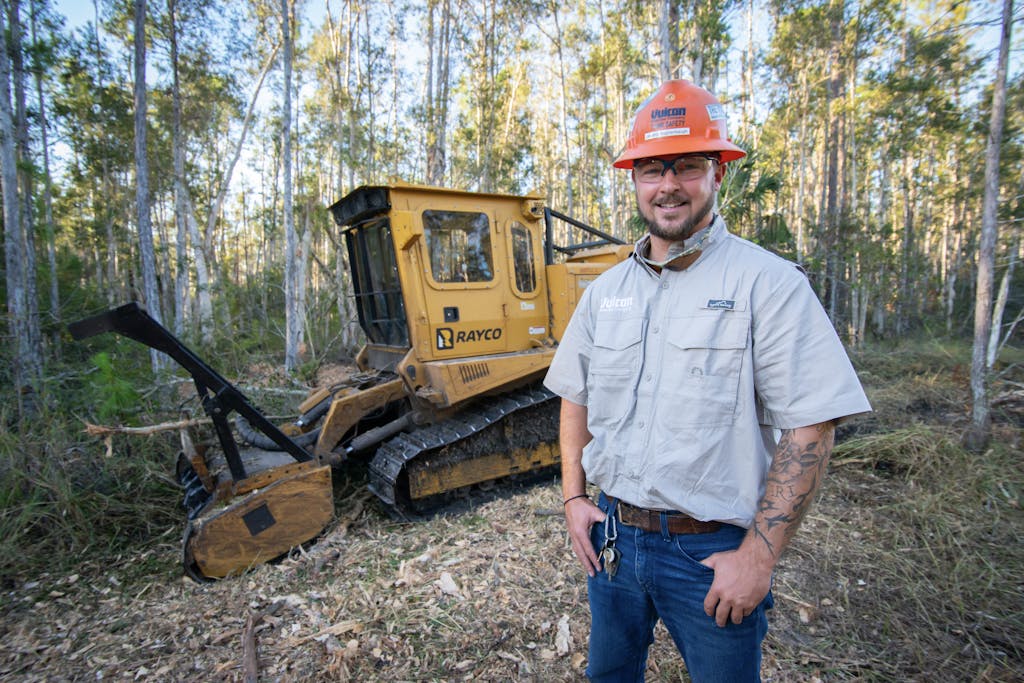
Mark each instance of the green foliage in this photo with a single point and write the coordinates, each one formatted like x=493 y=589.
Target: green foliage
x=744 y=197
x=115 y=395
x=773 y=234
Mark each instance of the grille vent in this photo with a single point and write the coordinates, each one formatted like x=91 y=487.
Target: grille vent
x=473 y=372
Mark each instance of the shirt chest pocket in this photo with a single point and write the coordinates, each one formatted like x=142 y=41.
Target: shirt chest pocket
x=617 y=347
x=703 y=363
x=613 y=371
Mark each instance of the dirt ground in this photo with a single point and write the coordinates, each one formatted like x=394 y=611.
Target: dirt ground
x=486 y=590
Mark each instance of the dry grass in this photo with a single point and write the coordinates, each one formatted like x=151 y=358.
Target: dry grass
x=908 y=569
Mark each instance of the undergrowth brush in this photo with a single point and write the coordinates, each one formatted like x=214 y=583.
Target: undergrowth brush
x=65 y=499
x=938 y=529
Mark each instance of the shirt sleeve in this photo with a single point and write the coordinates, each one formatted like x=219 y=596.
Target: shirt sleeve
x=802 y=374
x=567 y=375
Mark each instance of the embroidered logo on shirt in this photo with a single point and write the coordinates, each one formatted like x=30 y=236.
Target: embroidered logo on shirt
x=727 y=304
x=609 y=303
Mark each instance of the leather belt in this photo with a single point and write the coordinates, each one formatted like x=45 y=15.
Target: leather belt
x=650 y=520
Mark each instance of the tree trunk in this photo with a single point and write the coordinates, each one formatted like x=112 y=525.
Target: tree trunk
x=25 y=367
x=151 y=295
x=801 y=191
x=26 y=182
x=182 y=312
x=664 y=37
x=980 y=431
x=438 y=86
x=747 y=115
x=564 y=107
x=51 y=248
x=292 y=298
x=1000 y=307
x=834 y=142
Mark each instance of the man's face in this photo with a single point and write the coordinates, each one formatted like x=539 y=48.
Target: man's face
x=674 y=207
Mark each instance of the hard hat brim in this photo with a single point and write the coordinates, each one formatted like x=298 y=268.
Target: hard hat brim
x=726 y=151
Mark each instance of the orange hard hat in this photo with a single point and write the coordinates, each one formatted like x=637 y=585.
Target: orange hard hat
x=679 y=118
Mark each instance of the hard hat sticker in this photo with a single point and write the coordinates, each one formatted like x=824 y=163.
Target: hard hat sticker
x=667 y=133
x=716 y=112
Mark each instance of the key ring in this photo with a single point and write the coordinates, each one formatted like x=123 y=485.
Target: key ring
x=611 y=522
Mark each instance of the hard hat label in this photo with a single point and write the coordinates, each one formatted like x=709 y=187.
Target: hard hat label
x=716 y=112
x=667 y=133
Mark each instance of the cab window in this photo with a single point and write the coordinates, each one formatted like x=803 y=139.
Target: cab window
x=522 y=258
x=459 y=243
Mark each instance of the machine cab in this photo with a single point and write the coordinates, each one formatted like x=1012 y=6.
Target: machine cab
x=449 y=285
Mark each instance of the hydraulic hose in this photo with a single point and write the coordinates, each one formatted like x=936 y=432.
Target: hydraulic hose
x=260 y=440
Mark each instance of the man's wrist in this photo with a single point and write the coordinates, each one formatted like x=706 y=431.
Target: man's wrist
x=759 y=550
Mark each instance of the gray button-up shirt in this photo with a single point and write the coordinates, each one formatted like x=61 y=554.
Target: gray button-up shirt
x=687 y=373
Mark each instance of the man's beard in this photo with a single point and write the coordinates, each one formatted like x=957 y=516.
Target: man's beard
x=684 y=230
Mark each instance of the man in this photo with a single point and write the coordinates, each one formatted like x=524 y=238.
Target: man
x=701 y=382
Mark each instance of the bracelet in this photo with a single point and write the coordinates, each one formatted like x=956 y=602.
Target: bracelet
x=566 y=501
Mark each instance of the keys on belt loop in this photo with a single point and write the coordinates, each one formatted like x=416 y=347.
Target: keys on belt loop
x=609 y=553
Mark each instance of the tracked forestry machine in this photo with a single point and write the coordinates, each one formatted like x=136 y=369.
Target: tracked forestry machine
x=462 y=301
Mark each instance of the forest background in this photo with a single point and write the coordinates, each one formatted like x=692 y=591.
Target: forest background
x=188 y=163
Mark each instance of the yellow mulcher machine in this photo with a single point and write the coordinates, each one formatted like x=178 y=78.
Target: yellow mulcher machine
x=462 y=301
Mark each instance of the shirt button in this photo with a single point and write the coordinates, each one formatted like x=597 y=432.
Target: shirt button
x=641 y=425
x=664 y=285
x=647 y=378
x=656 y=329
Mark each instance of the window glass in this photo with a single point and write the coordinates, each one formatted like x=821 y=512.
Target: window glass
x=459 y=243
x=522 y=255
x=378 y=291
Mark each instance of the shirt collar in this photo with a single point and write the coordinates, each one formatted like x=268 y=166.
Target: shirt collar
x=696 y=243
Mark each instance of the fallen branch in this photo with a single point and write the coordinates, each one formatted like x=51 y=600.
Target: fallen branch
x=100 y=430
x=250 y=663
x=346 y=626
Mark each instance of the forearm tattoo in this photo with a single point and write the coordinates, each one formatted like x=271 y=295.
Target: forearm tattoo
x=793 y=479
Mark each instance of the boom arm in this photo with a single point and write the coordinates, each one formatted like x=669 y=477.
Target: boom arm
x=550 y=247
x=219 y=397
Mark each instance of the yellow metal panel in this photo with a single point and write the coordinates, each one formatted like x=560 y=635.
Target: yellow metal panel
x=566 y=282
x=456 y=380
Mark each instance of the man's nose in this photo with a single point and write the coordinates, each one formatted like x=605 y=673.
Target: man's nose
x=669 y=181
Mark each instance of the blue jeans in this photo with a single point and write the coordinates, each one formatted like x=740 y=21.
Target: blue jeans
x=660 y=575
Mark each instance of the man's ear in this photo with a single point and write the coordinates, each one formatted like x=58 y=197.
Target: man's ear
x=719 y=174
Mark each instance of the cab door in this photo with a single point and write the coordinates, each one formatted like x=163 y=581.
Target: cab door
x=466 y=310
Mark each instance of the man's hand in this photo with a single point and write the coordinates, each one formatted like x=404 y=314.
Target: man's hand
x=580 y=515
x=580 y=512
x=742 y=580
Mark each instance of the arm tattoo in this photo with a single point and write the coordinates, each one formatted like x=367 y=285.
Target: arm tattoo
x=793 y=479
